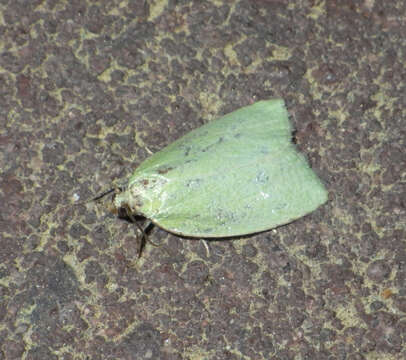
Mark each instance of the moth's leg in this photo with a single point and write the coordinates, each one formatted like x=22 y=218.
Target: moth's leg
x=144 y=236
x=149 y=223
x=206 y=245
x=142 y=229
x=142 y=239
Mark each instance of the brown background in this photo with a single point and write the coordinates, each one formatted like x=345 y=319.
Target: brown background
x=87 y=89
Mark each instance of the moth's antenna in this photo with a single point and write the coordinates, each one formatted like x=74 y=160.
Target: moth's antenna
x=98 y=197
x=102 y=195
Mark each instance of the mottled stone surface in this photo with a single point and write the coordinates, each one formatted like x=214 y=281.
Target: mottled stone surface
x=89 y=89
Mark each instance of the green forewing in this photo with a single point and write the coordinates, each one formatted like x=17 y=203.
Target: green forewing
x=237 y=175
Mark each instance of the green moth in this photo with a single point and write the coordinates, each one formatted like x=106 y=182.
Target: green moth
x=237 y=175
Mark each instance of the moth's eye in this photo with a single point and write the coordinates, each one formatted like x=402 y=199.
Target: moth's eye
x=123 y=212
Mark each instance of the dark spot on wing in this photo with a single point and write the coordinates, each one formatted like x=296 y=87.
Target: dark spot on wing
x=219 y=141
x=262 y=177
x=164 y=170
x=192 y=183
x=187 y=151
x=225 y=217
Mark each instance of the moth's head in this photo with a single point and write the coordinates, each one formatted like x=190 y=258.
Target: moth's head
x=122 y=203
x=117 y=202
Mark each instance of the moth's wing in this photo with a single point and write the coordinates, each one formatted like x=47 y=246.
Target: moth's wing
x=237 y=175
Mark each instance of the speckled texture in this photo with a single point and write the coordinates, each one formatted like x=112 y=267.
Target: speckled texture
x=87 y=90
